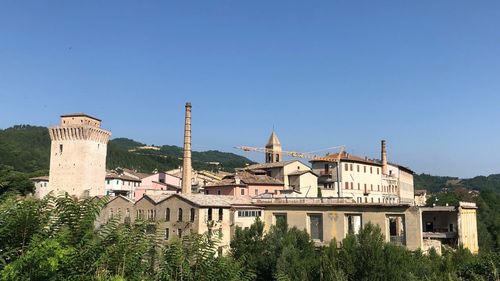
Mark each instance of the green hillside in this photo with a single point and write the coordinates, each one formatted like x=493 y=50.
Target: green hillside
x=27 y=149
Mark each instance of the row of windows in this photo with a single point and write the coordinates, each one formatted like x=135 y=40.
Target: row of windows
x=390 y=188
x=151 y=214
x=180 y=232
x=350 y=167
x=135 y=184
x=353 y=225
x=249 y=213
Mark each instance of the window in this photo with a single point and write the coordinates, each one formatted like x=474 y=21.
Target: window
x=60 y=149
x=117 y=182
x=179 y=232
x=327 y=168
x=371 y=170
x=347 y=167
x=167 y=214
x=350 y=167
x=358 y=168
x=378 y=187
x=221 y=214
x=167 y=233
x=371 y=187
x=267 y=191
x=396 y=229
x=316 y=226
x=352 y=185
x=359 y=186
x=378 y=171
x=192 y=215
x=364 y=169
x=353 y=222
x=277 y=157
x=107 y=181
x=180 y=215
x=242 y=191
x=249 y=213
x=256 y=192
x=218 y=192
x=346 y=185
x=206 y=191
x=209 y=214
x=280 y=220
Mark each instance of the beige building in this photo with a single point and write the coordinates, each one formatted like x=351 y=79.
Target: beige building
x=41 y=186
x=364 y=180
x=176 y=215
x=281 y=171
x=78 y=156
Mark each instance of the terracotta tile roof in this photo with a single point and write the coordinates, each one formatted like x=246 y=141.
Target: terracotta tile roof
x=204 y=200
x=115 y=175
x=246 y=178
x=346 y=157
x=269 y=165
x=301 y=172
x=80 y=114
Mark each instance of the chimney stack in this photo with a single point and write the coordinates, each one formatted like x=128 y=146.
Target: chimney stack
x=384 y=158
x=186 y=163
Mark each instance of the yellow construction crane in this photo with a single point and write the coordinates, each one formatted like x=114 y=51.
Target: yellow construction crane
x=306 y=155
x=296 y=154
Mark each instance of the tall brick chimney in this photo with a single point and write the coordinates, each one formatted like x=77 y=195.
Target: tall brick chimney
x=186 y=163
x=384 y=158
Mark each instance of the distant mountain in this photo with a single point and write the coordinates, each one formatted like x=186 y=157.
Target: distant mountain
x=435 y=184
x=27 y=149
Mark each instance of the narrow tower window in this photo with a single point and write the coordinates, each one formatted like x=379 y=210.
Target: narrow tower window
x=60 y=149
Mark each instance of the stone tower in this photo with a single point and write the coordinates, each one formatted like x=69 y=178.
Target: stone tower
x=273 y=149
x=78 y=156
x=186 y=162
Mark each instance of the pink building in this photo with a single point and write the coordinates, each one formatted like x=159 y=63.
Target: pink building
x=157 y=182
x=245 y=184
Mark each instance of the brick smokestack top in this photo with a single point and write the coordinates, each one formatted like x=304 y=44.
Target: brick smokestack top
x=384 y=158
x=186 y=164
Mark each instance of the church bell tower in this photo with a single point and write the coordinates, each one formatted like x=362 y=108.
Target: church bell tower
x=273 y=149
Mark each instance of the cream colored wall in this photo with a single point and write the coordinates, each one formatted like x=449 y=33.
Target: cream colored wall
x=80 y=169
x=80 y=121
x=118 y=207
x=292 y=167
x=42 y=188
x=200 y=224
x=467 y=228
x=334 y=220
x=406 y=188
x=372 y=180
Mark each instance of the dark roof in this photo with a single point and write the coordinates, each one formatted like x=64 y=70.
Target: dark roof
x=79 y=114
x=420 y=191
x=42 y=178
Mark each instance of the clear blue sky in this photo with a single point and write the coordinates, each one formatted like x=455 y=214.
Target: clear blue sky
x=425 y=75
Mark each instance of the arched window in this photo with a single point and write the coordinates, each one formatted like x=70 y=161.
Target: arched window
x=180 y=214
x=192 y=215
x=167 y=214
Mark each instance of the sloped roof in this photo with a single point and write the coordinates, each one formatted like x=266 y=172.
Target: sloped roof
x=204 y=200
x=245 y=179
x=115 y=175
x=42 y=178
x=346 y=157
x=301 y=172
x=262 y=166
x=273 y=140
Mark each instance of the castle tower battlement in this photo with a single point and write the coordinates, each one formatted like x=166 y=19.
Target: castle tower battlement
x=78 y=156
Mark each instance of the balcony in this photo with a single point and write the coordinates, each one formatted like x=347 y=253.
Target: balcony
x=325 y=173
x=440 y=235
x=397 y=240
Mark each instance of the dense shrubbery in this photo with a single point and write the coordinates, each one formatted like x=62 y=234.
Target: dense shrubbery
x=56 y=239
